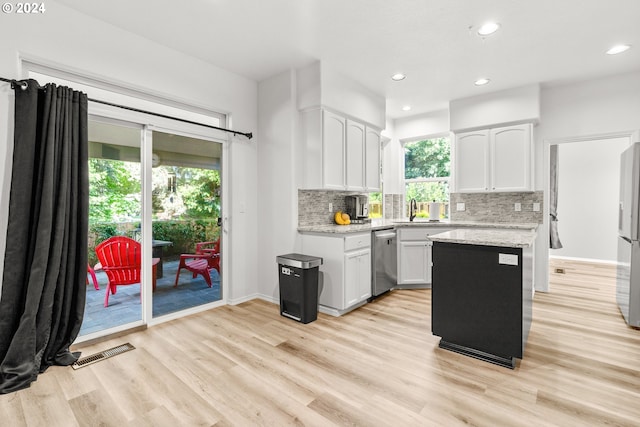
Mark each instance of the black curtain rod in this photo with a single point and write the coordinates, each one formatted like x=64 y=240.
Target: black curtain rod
x=24 y=85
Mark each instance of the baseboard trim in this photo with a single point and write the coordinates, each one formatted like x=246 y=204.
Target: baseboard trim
x=236 y=301
x=587 y=260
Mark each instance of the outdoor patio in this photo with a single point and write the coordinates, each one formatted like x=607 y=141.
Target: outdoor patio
x=124 y=306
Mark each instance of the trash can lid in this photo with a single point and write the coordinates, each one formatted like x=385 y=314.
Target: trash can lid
x=299 y=260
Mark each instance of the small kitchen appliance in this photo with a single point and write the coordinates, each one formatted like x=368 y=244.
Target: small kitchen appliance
x=358 y=208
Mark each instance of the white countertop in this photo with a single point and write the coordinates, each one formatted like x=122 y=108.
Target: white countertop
x=380 y=224
x=513 y=238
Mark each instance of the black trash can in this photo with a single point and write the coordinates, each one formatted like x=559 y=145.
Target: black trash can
x=299 y=286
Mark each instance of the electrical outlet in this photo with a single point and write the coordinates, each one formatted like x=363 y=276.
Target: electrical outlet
x=460 y=207
x=517 y=207
x=536 y=207
x=330 y=207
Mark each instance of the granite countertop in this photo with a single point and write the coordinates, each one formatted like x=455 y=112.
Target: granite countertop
x=514 y=238
x=381 y=224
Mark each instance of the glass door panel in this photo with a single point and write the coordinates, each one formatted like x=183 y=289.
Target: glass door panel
x=114 y=210
x=186 y=211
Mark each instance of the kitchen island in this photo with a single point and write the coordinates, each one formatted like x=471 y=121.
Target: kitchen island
x=482 y=292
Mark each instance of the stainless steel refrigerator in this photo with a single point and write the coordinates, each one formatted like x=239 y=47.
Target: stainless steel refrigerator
x=628 y=266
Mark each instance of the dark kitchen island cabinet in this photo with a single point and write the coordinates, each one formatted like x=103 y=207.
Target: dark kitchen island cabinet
x=482 y=293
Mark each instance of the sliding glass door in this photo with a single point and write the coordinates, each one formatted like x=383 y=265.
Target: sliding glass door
x=186 y=212
x=115 y=209
x=155 y=247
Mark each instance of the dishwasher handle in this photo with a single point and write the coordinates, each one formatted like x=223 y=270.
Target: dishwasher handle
x=385 y=235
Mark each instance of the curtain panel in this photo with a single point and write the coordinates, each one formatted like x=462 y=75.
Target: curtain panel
x=45 y=264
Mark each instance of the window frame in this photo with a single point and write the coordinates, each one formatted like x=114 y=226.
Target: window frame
x=403 y=143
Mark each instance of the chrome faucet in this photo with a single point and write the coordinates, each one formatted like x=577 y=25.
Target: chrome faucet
x=413 y=207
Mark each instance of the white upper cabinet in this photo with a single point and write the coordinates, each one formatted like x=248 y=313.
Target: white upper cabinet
x=355 y=155
x=372 y=160
x=333 y=151
x=339 y=153
x=511 y=158
x=498 y=159
x=472 y=161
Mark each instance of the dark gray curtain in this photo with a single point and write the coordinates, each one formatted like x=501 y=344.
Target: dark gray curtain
x=554 y=238
x=45 y=264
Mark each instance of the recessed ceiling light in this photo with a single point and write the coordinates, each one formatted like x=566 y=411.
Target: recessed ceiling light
x=406 y=108
x=481 y=82
x=618 y=49
x=488 y=29
x=398 y=76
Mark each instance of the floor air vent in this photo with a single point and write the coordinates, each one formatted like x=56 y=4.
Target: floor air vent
x=84 y=361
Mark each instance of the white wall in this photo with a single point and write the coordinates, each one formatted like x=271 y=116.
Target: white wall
x=505 y=107
x=90 y=47
x=277 y=208
x=588 y=184
x=319 y=85
x=609 y=105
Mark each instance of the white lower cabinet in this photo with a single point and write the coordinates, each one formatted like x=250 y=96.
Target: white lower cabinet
x=357 y=275
x=415 y=263
x=345 y=274
x=414 y=254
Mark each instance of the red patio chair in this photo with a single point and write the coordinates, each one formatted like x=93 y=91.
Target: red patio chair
x=93 y=277
x=206 y=258
x=121 y=260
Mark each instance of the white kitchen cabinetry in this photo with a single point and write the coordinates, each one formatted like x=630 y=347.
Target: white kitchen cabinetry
x=355 y=155
x=414 y=255
x=340 y=153
x=372 y=167
x=345 y=275
x=498 y=159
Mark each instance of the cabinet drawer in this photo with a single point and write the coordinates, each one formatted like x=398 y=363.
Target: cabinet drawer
x=357 y=241
x=419 y=233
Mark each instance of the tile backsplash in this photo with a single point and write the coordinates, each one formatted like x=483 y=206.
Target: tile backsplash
x=313 y=206
x=392 y=206
x=497 y=207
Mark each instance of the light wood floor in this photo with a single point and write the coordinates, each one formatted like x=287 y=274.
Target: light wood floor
x=377 y=366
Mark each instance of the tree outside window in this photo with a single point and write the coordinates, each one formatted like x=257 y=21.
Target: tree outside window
x=426 y=172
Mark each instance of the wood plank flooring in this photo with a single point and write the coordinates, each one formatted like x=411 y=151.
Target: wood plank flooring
x=377 y=366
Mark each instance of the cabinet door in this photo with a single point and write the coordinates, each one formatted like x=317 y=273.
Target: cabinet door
x=472 y=161
x=372 y=160
x=351 y=274
x=364 y=275
x=357 y=276
x=414 y=263
x=511 y=158
x=355 y=155
x=333 y=151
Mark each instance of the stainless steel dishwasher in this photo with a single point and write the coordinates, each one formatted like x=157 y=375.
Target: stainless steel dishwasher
x=384 y=261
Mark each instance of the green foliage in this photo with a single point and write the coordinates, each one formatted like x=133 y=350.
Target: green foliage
x=429 y=158
x=185 y=234
x=375 y=197
x=200 y=192
x=114 y=190
x=428 y=191
x=196 y=193
x=102 y=231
